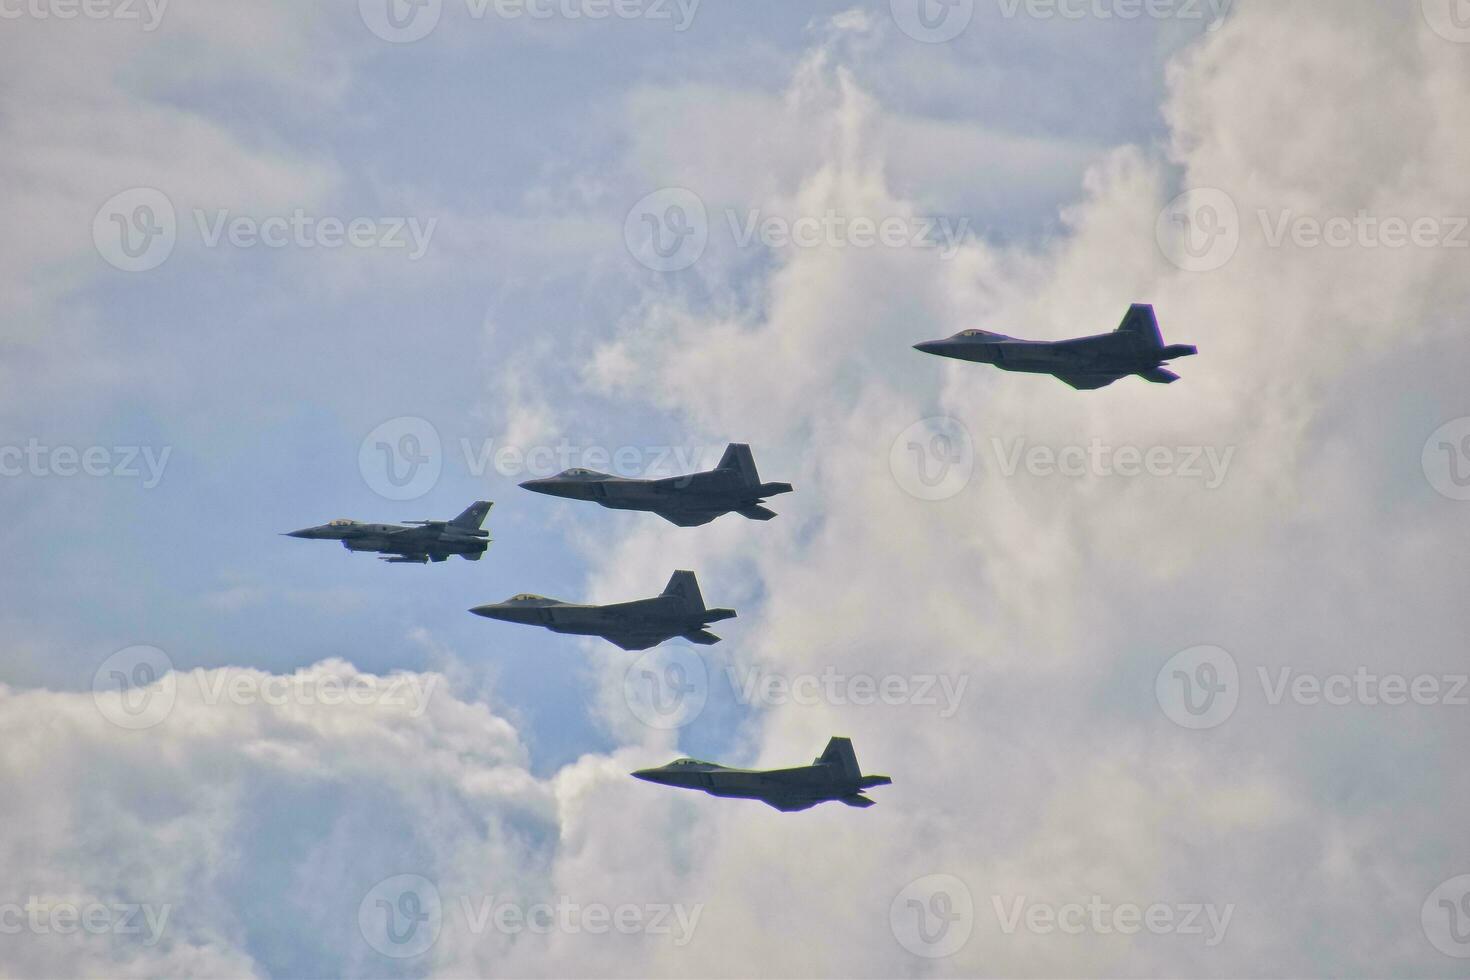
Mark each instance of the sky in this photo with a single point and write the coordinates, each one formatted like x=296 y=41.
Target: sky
x=1171 y=681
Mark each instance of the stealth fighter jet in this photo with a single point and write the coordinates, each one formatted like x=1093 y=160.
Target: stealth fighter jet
x=416 y=543
x=639 y=625
x=688 y=501
x=833 y=776
x=1136 y=347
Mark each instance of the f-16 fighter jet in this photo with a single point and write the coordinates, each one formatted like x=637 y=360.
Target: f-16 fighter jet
x=416 y=543
x=688 y=501
x=1136 y=347
x=639 y=625
x=833 y=776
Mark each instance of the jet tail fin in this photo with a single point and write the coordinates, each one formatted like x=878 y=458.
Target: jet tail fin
x=858 y=800
x=756 y=513
x=1143 y=323
x=474 y=516
x=839 y=753
x=703 y=637
x=738 y=458
x=685 y=586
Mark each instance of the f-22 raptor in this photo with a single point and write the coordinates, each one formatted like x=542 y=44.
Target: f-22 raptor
x=833 y=776
x=688 y=501
x=639 y=625
x=1087 y=363
x=414 y=543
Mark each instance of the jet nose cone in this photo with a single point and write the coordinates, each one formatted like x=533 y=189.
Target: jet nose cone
x=538 y=486
x=647 y=775
x=491 y=611
x=931 y=347
x=305 y=532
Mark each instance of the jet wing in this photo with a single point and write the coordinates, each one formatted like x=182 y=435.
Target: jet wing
x=637 y=641
x=690 y=518
x=1088 y=382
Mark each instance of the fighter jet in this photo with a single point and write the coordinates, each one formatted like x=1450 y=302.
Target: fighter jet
x=639 y=625
x=1136 y=347
x=834 y=775
x=688 y=501
x=416 y=543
